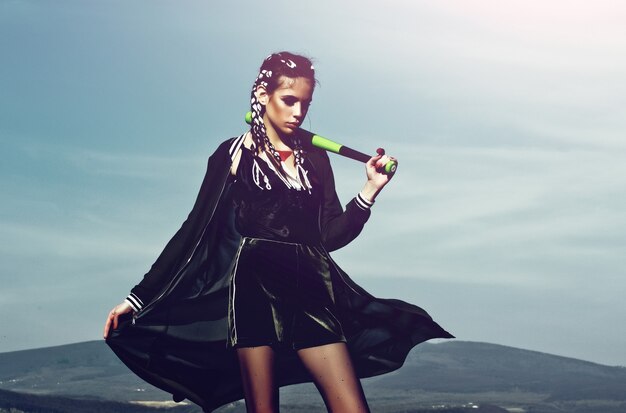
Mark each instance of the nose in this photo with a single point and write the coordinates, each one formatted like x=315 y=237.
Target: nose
x=297 y=111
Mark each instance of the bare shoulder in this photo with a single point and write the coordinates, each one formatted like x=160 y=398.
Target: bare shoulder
x=247 y=142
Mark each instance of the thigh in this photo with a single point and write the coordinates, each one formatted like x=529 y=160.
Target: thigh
x=259 y=286
x=258 y=379
x=316 y=317
x=334 y=376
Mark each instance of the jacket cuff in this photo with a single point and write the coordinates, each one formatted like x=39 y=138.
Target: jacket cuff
x=134 y=301
x=356 y=213
x=363 y=202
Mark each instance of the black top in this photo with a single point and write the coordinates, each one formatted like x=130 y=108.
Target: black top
x=265 y=207
x=336 y=227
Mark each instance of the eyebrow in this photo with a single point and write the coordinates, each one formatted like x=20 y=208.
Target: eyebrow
x=297 y=98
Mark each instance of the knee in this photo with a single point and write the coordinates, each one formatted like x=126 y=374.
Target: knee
x=262 y=401
x=351 y=408
x=347 y=404
x=261 y=409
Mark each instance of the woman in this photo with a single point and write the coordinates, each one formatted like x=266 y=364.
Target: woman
x=245 y=297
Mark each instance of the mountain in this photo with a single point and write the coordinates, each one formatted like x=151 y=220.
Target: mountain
x=452 y=374
x=466 y=367
x=14 y=402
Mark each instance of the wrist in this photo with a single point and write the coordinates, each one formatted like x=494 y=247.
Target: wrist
x=134 y=301
x=370 y=191
x=363 y=202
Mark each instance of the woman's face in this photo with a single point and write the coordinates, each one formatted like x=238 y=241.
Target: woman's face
x=286 y=107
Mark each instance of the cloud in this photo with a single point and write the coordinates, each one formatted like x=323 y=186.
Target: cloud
x=100 y=162
x=515 y=217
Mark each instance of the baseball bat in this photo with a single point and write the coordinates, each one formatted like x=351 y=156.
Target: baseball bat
x=331 y=146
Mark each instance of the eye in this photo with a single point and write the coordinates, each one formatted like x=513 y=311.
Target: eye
x=289 y=100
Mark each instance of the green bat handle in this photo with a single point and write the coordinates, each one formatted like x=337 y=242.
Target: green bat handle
x=328 y=145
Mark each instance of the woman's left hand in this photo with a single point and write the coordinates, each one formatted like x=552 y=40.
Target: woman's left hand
x=376 y=176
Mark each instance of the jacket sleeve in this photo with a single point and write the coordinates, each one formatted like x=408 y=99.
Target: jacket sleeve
x=338 y=227
x=173 y=253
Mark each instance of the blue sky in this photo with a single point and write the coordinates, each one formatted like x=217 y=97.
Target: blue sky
x=505 y=220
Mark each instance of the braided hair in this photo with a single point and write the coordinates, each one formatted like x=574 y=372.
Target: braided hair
x=274 y=66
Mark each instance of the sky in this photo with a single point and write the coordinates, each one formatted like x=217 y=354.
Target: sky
x=505 y=220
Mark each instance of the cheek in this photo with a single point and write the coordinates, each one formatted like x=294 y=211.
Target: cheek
x=277 y=111
x=280 y=108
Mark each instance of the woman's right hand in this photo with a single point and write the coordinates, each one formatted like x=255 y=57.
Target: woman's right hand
x=119 y=309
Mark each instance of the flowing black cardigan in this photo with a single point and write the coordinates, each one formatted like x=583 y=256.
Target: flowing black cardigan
x=176 y=340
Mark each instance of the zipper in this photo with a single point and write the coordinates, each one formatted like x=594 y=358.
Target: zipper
x=193 y=252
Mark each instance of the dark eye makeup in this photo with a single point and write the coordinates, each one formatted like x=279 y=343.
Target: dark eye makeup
x=291 y=100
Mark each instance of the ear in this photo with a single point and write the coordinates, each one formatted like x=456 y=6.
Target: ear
x=261 y=95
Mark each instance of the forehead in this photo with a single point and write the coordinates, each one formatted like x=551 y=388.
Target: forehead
x=297 y=86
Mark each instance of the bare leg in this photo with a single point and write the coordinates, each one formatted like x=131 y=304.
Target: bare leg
x=257 y=374
x=334 y=376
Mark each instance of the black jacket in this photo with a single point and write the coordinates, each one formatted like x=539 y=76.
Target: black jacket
x=176 y=338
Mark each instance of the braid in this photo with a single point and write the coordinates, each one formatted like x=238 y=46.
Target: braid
x=259 y=133
x=260 y=140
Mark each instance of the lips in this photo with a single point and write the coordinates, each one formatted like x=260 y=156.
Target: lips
x=293 y=125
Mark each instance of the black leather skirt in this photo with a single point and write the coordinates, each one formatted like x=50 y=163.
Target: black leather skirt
x=281 y=294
